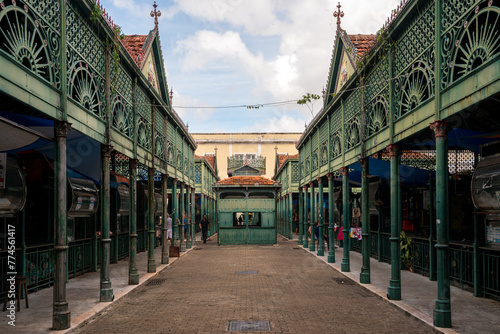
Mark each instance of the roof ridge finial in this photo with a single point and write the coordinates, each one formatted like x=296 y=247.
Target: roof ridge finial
x=338 y=14
x=156 y=14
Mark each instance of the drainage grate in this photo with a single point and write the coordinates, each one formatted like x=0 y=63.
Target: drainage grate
x=156 y=281
x=249 y=326
x=345 y=281
x=251 y=272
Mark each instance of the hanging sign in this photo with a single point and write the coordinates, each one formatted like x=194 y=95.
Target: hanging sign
x=3 y=169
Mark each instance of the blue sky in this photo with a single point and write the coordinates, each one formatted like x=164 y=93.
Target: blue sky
x=220 y=53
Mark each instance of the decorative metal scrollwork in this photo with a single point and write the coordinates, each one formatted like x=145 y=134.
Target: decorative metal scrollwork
x=471 y=42
x=324 y=153
x=22 y=38
x=377 y=115
x=179 y=159
x=83 y=88
x=170 y=154
x=159 y=146
x=307 y=166
x=315 y=160
x=121 y=117
x=353 y=133
x=478 y=42
x=143 y=137
x=336 y=145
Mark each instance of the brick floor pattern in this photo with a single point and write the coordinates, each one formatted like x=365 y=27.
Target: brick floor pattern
x=203 y=292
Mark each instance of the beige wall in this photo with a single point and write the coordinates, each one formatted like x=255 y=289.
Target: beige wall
x=263 y=144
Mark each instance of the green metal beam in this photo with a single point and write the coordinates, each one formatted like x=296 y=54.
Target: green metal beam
x=345 y=265
x=364 y=276
x=394 y=290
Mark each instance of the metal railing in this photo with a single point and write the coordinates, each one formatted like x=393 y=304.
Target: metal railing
x=461 y=264
x=80 y=259
x=491 y=274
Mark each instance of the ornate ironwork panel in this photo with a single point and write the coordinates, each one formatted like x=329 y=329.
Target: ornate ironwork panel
x=124 y=84
x=415 y=86
x=315 y=159
x=336 y=144
x=170 y=153
x=295 y=171
x=471 y=38
x=377 y=115
x=86 y=88
x=377 y=81
x=144 y=133
x=159 y=145
x=121 y=116
x=122 y=165
x=416 y=39
x=197 y=173
x=324 y=153
x=353 y=133
x=27 y=34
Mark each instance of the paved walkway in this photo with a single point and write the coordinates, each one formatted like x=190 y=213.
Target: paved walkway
x=469 y=314
x=295 y=290
x=214 y=285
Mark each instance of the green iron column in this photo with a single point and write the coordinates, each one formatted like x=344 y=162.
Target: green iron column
x=164 y=194
x=321 y=225
x=477 y=258
x=312 y=245
x=442 y=311
x=175 y=214
x=61 y=316
x=290 y=214
x=301 y=217
x=364 y=276
x=202 y=204
x=379 y=231
x=306 y=202
x=188 y=215
x=331 y=220
x=151 y=220
x=182 y=215
x=345 y=265
x=432 y=250
x=133 y=274
x=193 y=216
x=106 y=291
x=394 y=290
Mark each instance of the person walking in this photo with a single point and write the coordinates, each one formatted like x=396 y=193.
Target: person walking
x=169 y=227
x=204 y=226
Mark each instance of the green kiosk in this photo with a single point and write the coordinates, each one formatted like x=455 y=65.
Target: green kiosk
x=247 y=210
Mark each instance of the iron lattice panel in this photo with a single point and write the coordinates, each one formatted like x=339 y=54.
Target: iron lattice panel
x=160 y=126
x=353 y=105
x=461 y=161
x=377 y=81
x=143 y=105
x=453 y=10
x=197 y=172
x=122 y=166
x=323 y=132
x=418 y=37
x=336 y=120
x=295 y=172
x=84 y=45
x=170 y=132
x=471 y=42
x=314 y=139
x=123 y=83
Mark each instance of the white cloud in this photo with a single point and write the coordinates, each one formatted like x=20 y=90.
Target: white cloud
x=283 y=124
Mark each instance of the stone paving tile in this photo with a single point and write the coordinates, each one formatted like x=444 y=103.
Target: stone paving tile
x=203 y=292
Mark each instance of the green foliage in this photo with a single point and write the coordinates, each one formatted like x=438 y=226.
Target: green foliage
x=95 y=13
x=257 y=106
x=309 y=100
x=406 y=253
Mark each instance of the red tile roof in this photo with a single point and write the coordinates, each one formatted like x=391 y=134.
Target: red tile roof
x=246 y=181
x=362 y=43
x=209 y=158
x=135 y=47
x=284 y=157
